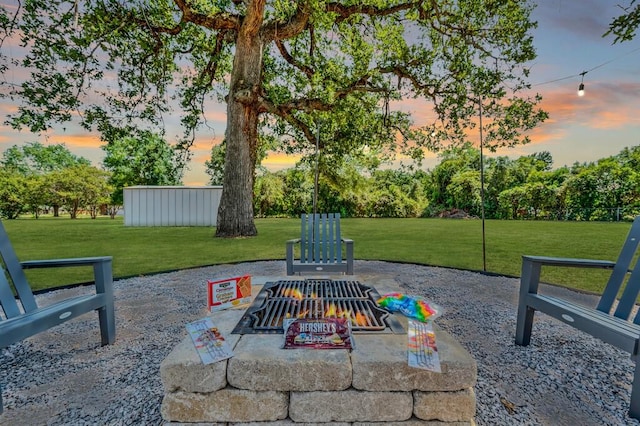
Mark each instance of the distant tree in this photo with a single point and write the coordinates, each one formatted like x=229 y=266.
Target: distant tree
x=408 y=184
x=37 y=195
x=144 y=159
x=215 y=165
x=298 y=185
x=81 y=187
x=13 y=187
x=630 y=156
x=520 y=169
x=393 y=202
x=36 y=158
x=539 y=197
x=269 y=198
x=464 y=190
x=453 y=161
x=542 y=160
x=513 y=202
x=496 y=180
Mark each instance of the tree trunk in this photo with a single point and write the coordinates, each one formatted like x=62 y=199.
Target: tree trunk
x=235 y=214
x=74 y=209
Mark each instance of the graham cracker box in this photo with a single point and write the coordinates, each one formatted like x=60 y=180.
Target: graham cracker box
x=228 y=293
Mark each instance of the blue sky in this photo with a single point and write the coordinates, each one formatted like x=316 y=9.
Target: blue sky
x=604 y=121
x=568 y=41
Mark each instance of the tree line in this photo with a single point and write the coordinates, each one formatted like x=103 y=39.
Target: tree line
x=36 y=178
x=524 y=188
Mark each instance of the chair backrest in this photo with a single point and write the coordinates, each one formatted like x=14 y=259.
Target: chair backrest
x=18 y=278
x=320 y=240
x=616 y=280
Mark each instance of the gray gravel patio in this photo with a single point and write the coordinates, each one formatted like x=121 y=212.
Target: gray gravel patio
x=64 y=377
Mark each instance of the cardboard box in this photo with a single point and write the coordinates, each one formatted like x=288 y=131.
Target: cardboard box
x=227 y=293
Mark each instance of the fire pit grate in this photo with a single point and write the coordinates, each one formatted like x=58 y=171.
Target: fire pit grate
x=316 y=298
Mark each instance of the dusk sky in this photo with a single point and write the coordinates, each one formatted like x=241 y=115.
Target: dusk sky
x=568 y=41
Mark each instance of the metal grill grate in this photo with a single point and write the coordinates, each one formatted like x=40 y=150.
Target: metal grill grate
x=315 y=298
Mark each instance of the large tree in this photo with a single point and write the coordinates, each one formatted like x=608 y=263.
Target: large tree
x=287 y=68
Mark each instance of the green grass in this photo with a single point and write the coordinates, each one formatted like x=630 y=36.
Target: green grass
x=440 y=242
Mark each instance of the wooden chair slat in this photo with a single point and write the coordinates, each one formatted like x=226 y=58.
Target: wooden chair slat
x=620 y=272
x=16 y=273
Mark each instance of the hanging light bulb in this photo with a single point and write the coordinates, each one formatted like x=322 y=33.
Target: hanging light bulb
x=581 y=87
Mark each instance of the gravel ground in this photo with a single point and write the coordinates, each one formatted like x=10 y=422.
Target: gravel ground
x=64 y=376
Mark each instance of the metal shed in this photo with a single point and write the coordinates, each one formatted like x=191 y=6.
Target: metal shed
x=171 y=205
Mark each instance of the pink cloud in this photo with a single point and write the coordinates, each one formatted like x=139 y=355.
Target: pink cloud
x=75 y=140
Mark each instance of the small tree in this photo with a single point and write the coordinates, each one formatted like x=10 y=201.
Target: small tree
x=81 y=187
x=36 y=194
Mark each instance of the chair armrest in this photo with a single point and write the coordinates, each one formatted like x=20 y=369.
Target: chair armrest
x=532 y=266
x=347 y=240
x=102 y=270
x=568 y=262
x=289 y=254
x=58 y=263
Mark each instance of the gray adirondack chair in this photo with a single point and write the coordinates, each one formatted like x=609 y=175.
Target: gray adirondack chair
x=613 y=326
x=23 y=318
x=321 y=246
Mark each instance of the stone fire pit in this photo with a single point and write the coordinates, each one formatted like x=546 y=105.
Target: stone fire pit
x=264 y=383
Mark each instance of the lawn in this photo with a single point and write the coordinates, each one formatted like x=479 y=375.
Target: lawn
x=441 y=242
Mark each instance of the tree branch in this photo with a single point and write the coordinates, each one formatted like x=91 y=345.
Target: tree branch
x=344 y=12
x=308 y=71
x=310 y=105
x=11 y=24
x=219 y=21
x=212 y=66
x=279 y=30
x=402 y=72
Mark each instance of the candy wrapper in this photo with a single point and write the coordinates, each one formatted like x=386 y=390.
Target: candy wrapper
x=410 y=306
x=421 y=347
x=208 y=340
x=325 y=333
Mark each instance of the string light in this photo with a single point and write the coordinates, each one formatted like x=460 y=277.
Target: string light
x=581 y=87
